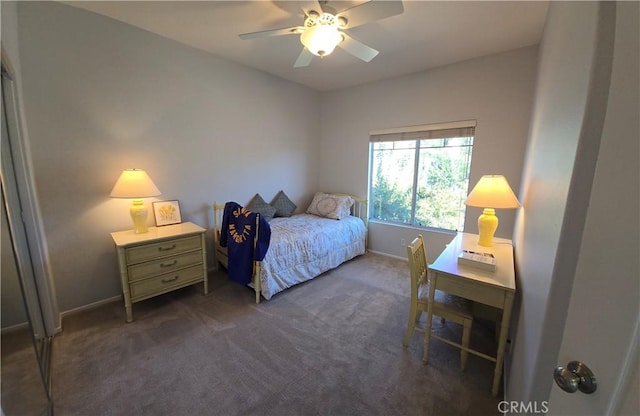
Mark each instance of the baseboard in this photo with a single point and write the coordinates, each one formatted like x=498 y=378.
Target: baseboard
x=90 y=306
x=24 y=325
x=387 y=255
x=13 y=328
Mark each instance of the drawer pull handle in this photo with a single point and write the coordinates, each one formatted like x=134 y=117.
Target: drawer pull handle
x=167 y=249
x=173 y=263
x=173 y=279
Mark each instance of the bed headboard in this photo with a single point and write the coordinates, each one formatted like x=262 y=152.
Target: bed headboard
x=360 y=209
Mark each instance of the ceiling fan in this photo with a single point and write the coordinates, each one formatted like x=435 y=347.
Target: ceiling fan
x=323 y=29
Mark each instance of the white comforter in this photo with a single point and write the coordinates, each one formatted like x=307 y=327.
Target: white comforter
x=304 y=246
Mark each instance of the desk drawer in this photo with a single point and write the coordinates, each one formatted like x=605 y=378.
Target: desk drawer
x=165 y=282
x=476 y=292
x=153 y=251
x=164 y=265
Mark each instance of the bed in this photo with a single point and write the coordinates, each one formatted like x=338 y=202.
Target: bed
x=301 y=246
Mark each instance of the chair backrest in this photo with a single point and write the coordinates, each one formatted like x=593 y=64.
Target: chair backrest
x=417 y=264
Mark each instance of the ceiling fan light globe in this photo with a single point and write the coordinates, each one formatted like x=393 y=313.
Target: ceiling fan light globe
x=321 y=40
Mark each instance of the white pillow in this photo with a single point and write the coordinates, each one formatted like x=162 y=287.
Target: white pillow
x=330 y=206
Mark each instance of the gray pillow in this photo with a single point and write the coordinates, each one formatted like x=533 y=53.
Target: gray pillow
x=257 y=204
x=284 y=206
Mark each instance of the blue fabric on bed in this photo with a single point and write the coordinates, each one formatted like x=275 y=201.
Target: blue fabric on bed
x=237 y=234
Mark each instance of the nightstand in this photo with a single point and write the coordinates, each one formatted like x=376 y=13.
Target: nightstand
x=160 y=261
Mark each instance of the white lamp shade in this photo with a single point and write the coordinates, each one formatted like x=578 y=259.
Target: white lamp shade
x=321 y=40
x=492 y=191
x=134 y=183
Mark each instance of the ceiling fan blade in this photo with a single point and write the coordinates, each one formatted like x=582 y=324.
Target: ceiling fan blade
x=304 y=59
x=312 y=6
x=371 y=11
x=295 y=30
x=357 y=49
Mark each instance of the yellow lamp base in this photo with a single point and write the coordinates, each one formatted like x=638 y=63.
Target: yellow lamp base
x=487 y=226
x=139 y=216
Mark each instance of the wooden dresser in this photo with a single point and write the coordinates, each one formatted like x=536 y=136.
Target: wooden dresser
x=159 y=261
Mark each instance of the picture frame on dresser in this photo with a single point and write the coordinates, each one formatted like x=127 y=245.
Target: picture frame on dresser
x=167 y=212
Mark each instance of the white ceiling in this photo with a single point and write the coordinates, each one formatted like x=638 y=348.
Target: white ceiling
x=428 y=34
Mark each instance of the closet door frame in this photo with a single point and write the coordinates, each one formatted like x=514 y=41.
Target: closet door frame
x=16 y=162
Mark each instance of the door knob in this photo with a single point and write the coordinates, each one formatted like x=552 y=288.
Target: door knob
x=576 y=376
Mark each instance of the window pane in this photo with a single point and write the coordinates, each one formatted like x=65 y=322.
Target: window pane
x=383 y=145
x=431 y=143
x=392 y=181
x=404 y=144
x=443 y=180
x=460 y=141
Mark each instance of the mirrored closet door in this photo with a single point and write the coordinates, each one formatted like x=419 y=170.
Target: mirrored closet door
x=25 y=341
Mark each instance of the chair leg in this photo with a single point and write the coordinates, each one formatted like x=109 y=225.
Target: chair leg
x=413 y=317
x=466 y=334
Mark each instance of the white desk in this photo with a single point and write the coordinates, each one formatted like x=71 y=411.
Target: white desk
x=491 y=288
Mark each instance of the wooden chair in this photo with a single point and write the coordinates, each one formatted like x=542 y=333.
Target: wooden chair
x=447 y=307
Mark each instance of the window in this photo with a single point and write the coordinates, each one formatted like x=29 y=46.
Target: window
x=419 y=176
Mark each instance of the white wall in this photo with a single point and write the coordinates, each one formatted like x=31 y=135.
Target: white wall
x=497 y=91
x=607 y=273
x=101 y=96
x=9 y=37
x=556 y=186
x=13 y=311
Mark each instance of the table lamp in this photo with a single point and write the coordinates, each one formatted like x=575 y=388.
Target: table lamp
x=136 y=184
x=491 y=191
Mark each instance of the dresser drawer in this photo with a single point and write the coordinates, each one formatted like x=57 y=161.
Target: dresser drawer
x=165 y=282
x=153 y=251
x=164 y=265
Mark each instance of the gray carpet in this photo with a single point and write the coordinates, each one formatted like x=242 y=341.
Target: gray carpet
x=23 y=391
x=332 y=346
